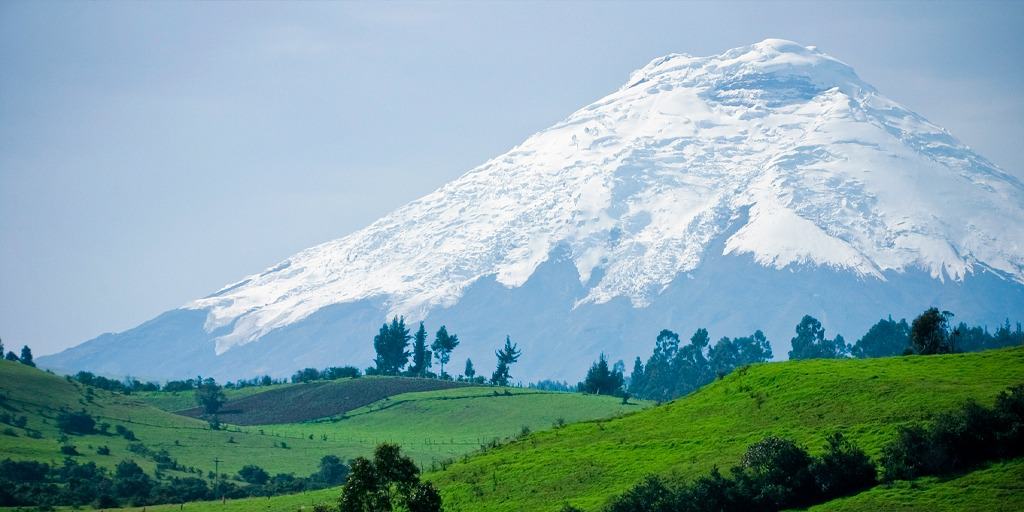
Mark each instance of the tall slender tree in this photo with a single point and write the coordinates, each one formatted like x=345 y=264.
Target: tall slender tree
x=421 y=355
x=469 y=372
x=507 y=356
x=443 y=346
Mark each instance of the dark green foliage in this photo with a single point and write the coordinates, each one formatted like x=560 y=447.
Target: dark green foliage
x=443 y=346
x=69 y=449
x=929 y=334
x=11 y=356
x=131 y=482
x=650 y=495
x=180 y=385
x=469 y=371
x=959 y=439
x=601 y=380
x=103 y=450
x=885 y=338
x=391 y=480
x=210 y=396
x=421 y=356
x=843 y=469
x=391 y=343
x=124 y=432
x=128 y=386
x=507 y=356
x=774 y=474
x=78 y=422
x=673 y=371
x=26 y=356
x=810 y=342
x=253 y=474
x=332 y=471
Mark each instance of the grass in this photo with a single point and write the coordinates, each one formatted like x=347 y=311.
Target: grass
x=174 y=401
x=999 y=487
x=589 y=462
x=424 y=423
x=312 y=400
x=586 y=464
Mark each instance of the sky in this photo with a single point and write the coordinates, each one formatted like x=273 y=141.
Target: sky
x=151 y=153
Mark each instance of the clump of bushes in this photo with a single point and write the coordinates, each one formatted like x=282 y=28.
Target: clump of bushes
x=959 y=439
x=78 y=422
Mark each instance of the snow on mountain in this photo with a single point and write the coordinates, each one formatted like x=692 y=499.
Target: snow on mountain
x=736 y=191
x=640 y=182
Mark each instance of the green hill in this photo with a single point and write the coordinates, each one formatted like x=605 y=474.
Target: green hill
x=997 y=488
x=426 y=424
x=586 y=464
x=312 y=400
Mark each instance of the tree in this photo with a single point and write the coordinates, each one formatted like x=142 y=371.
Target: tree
x=636 y=378
x=332 y=470
x=507 y=356
x=601 y=380
x=886 y=338
x=210 y=396
x=810 y=342
x=390 y=481
x=421 y=356
x=469 y=372
x=253 y=474
x=1 y=346
x=929 y=332
x=443 y=346
x=11 y=356
x=26 y=356
x=391 y=343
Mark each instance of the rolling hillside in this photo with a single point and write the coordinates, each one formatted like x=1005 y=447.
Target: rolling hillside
x=588 y=463
x=423 y=422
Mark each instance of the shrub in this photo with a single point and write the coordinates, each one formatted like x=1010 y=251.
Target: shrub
x=75 y=422
x=843 y=469
x=253 y=474
x=68 y=450
x=103 y=450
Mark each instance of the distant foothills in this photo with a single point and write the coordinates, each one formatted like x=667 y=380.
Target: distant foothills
x=672 y=370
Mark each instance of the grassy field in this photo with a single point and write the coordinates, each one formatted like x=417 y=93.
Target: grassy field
x=588 y=463
x=312 y=400
x=183 y=400
x=424 y=423
x=997 y=488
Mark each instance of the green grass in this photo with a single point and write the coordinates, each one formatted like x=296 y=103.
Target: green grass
x=587 y=464
x=590 y=462
x=999 y=487
x=424 y=423
x=313 y=400
x=173 y=401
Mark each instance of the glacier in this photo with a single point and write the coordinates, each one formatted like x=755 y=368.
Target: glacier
x=735 y=191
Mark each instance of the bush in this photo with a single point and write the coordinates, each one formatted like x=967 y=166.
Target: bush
x=843 y=469
x=253 y=474
x=75 y=422
x=68 y=450
x=103 y=450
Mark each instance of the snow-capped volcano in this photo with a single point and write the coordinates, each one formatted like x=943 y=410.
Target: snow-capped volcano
x=769 y=157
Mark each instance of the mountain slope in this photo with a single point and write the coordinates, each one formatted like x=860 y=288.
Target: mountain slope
x=588 y=463
x=773 y=157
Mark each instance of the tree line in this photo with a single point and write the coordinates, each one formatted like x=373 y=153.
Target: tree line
x=675 y=369
x=400 y=353
x=25 y=358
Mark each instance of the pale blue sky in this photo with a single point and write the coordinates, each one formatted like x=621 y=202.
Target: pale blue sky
x=152 y=152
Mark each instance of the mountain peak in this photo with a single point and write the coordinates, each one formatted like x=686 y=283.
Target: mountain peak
x=773 y=154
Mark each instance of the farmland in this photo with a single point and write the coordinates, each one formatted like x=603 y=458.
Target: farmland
x=309 y=401
x=423 y=422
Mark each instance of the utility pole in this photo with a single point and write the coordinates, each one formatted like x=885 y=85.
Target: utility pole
x=216 y=475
